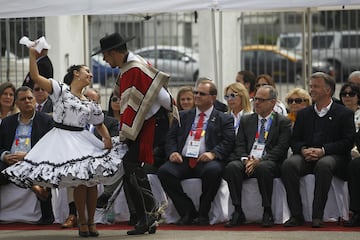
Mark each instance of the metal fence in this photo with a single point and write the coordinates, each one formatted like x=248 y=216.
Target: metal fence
x=170 y=42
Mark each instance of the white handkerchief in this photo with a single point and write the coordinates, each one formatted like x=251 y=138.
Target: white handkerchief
x=41 y=43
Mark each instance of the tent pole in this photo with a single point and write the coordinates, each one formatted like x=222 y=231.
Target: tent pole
x=216 y=80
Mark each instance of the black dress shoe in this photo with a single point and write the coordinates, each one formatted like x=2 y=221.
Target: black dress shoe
x=146 y=224
x=202 y=221
x=237 y=218
x=294 y=222
x=316 y=223
x=187 y=219
x=354 y=221
x=102 y=200
x=268 y=219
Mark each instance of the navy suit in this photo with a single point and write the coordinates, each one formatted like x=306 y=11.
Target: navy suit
x=276 y=148
x=42 y=123
x=48 y=106
x=219 y=139
x=333 y=132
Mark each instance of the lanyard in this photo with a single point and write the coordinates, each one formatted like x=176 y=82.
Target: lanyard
x=26 y=137
x=193 y=128
x=267 y=128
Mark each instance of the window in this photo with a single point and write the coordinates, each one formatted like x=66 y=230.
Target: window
x=319 y=42
x=350 y=41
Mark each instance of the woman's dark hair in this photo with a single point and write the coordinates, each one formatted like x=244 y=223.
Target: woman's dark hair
x=5 y=86
x=110 y=111
x=69 y=76
x=353 y=88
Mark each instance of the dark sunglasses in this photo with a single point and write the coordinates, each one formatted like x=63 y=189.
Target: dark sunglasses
x=200 y=93
x=295 y=100
x=37 y=89
x=115 y=99
x=230 y=96
x=350 y=94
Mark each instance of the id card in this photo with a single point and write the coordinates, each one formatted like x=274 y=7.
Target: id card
x=193 y=149
x=257 y=150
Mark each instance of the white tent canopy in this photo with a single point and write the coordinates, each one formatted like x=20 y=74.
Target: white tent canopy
x=37 y=8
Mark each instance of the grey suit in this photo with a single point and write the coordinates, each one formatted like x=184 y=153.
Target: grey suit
x=276 y=147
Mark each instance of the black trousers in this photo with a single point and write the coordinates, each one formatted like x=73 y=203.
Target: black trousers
x=354 y=184
x=265 y=172
x=171 y=174
x=324 y=169
x=136 y=184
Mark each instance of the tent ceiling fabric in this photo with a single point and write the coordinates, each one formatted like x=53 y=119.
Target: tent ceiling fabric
x=40 y=8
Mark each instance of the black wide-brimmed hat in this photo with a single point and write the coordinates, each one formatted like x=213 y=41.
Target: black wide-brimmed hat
x=112 y=41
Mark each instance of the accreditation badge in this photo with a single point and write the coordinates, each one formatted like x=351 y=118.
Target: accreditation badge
x=193 y=149
x=257 y=150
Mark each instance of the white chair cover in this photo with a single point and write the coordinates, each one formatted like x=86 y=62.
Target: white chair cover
x=337 y=204
x=219 y=207
x=252 y=203
x=18 y=204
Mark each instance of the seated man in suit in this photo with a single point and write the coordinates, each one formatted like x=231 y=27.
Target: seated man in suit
x=43 y=102
x=261 y=146
x=18 y=133
x=322 y=139
x=197 y=147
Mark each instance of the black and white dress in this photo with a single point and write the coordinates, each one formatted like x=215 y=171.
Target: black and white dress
x=68 y=158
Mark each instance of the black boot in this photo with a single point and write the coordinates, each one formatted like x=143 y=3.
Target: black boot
x=146 y=224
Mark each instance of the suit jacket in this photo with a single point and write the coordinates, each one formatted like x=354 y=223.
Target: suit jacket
x=45 y=69
x=42 y=123
x=48 y=106
x=276 y=145
x=112 y=125
x=339 y=133
x=219 y=136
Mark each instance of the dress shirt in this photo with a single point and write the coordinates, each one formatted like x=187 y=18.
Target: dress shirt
x=202 y=139
x=324 y=110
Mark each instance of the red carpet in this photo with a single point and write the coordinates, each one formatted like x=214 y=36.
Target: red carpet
x=218 y=227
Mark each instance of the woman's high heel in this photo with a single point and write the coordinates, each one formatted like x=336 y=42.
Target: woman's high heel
x=93 y=233
x=83 y=233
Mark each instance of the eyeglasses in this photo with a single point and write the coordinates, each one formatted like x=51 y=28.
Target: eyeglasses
x=348 y=94
x=295 y=100
x=262 y=99
x=115 y=99
x=200 y=93
x=261 y=84
x=37 y=89
x=230 y=96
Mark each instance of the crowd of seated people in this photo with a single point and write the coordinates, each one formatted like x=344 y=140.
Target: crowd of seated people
x=251 y=140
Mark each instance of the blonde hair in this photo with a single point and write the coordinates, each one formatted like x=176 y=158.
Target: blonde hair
x=240 y=89
x=182 y=91
x=301 y=92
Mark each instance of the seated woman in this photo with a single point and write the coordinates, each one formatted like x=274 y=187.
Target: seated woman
x=296 y=100
x=7 y=100
x=350 y=97
x=185 y=98
x=238 y=101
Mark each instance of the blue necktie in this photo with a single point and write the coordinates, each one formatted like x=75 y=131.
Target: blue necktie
x=262 y=131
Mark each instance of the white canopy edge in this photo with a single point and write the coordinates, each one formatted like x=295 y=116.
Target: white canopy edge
x=43 y=8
